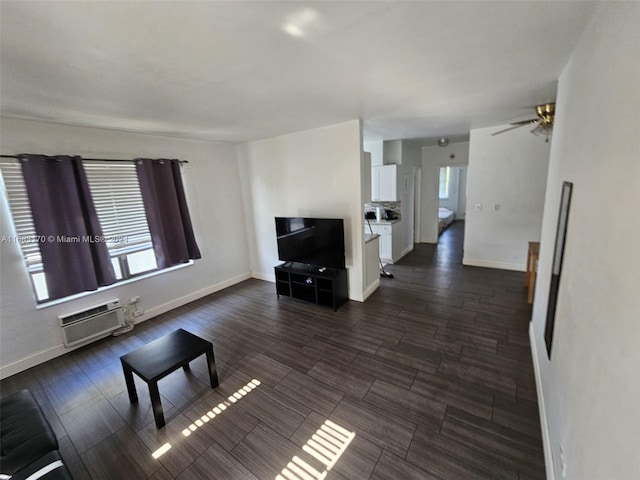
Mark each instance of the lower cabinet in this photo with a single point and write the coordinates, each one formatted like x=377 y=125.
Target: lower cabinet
x=386 y=245
x=305 y=282
x=387 y=233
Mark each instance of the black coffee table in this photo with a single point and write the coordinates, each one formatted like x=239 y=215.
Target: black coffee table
x=159 y=358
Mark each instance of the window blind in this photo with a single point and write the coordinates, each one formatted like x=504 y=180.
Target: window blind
x=16 y=193
x=116 y=194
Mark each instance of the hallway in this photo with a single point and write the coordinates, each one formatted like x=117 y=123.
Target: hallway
x=480 y=320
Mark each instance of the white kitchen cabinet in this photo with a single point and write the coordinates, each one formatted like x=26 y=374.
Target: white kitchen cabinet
x=386 y=244
x=384 y=183
x=386 y=240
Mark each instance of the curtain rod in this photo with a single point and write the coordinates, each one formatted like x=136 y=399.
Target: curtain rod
x=93 y=159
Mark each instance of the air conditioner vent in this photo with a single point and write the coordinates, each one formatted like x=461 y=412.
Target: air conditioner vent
x=83 y=315
x=92 y=323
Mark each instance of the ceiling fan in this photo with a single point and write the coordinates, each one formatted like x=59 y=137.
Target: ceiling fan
x=543 y=124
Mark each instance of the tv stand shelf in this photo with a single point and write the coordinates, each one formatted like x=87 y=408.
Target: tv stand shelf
x=306 y=282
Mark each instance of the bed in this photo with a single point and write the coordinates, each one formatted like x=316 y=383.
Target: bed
x=445 y=218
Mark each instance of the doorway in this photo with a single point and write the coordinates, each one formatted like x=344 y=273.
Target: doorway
x=452 y=195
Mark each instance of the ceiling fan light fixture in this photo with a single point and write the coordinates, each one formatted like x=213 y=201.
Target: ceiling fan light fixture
x=543 y=129
x=546 y=112
x=543 y=125
x=443 y=142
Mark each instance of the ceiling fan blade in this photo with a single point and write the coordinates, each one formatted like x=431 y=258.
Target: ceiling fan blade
x=513 y=127
x=524 y=122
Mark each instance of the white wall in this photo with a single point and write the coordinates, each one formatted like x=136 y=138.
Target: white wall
x=365 y=178
x=589 y=390
x=315 y=173
x=461 y=211
x=432 y=159
x=371 y=250
x=509 y=170
x=393 y=152
x=29 y=336
x=376 y=149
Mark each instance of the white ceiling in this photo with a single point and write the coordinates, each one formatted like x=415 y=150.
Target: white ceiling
x=239 y=71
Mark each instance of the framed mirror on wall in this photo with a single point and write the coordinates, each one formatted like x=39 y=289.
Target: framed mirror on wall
x=556 y=267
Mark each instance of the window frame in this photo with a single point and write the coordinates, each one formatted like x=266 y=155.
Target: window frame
x=446 y=182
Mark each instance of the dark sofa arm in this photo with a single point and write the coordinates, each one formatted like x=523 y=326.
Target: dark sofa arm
x=27 y=442
x=47 y=467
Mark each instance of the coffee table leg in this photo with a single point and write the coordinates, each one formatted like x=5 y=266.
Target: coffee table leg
x=156 y=405
x=131 y=385
x=213 y=373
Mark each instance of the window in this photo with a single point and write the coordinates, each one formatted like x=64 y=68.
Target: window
x=116 y=194
x=444 y=182
x=16 y=193
x=118 y=201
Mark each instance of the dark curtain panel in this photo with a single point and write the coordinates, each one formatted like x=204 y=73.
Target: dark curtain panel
x=73 y=255
x=167 y=213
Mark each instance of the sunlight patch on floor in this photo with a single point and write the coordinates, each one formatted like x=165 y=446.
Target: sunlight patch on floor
x=211 y=414
x=326 y=445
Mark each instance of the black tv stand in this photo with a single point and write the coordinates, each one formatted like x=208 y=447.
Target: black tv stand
x=306 y=282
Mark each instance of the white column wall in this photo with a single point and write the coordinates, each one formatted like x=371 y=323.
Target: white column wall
x=314 y=173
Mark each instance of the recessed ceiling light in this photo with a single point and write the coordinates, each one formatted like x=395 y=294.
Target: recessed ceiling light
x=293 y=30
x=299 y=24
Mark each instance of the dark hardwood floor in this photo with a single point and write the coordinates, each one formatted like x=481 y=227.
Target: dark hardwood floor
x=431 y=378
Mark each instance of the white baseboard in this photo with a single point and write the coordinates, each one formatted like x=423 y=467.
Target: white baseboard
x=518 y=267
x=178 y=302
x=53 y=352
x=267 y=277
x=371 y=288
x=32 y=360
x=544 y=423
x=407 y=250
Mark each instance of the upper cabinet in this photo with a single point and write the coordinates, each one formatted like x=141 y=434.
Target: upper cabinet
x=384 y=186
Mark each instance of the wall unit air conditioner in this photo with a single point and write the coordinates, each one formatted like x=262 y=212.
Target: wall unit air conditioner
x=92 y=323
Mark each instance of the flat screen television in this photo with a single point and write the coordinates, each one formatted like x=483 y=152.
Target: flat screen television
x=313 y=241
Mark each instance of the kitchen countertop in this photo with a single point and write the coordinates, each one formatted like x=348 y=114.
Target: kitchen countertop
x=382 y=222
